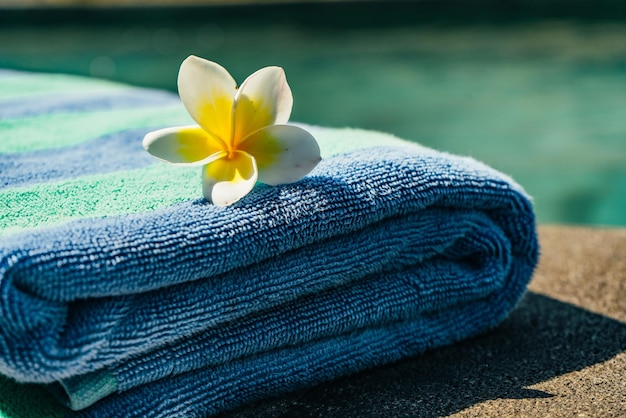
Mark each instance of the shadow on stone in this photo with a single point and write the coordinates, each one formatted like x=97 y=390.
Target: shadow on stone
x=543 y=338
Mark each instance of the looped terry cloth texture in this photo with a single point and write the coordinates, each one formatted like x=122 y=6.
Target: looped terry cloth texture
x=126 y=294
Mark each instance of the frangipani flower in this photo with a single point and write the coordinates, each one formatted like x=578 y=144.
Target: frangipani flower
x=241 y=136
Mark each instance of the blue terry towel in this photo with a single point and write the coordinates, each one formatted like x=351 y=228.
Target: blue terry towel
x=126 y=294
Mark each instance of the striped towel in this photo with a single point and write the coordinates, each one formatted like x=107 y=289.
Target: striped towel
x=124 y=293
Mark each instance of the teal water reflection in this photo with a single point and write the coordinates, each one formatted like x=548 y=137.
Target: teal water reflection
x=544 y=101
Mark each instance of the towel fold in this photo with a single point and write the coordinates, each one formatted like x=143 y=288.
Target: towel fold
x=128 y=295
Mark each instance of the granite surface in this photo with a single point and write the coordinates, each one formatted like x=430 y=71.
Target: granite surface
x=561 y=353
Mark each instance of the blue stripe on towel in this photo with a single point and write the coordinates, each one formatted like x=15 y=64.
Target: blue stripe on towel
x=33 y=105
x=117 y=151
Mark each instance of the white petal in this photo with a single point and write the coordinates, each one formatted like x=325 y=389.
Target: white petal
x=189 y=145
x=228 y=179
x=208 y=92
x=263 y=99
x=283 y=153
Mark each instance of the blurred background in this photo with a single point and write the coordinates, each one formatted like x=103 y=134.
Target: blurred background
x=537 y=89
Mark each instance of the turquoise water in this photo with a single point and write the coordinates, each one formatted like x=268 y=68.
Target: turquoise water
x=542 y=100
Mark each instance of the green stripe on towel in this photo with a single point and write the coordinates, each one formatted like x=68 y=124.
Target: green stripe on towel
x=20 y=85
x=72 y=128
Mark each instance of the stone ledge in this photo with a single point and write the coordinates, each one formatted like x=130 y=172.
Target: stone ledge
x=585 y=267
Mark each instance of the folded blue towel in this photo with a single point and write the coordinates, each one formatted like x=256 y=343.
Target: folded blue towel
x=128 y=295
